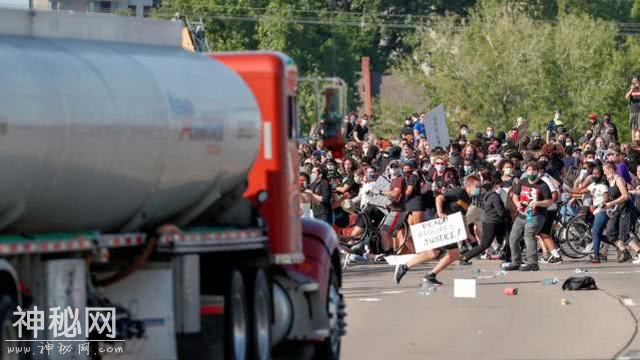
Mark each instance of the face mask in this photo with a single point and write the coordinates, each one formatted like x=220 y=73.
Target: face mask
x=364 y=123
x=568 y=143
x=314 y=177
x=425 y=168
x=468 y=169
x=395 y=172
x=331 y=167
x=507 y=171
x=329 y=156
x=532 y=177
x=407 y=123
x=475 y=192
x=440 y=168
x=584 y=172
x=464 y=132
x=490 y=133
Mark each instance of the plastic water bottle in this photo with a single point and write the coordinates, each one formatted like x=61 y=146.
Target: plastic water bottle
x=426 y=289
x=529 y=215
x=500 y=272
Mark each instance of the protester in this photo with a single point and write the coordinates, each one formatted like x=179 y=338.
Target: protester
x=480 y=175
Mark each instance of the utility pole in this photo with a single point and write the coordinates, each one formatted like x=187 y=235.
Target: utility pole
x=366 y=80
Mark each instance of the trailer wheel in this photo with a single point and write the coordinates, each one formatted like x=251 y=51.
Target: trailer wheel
x=236 y=319
x=7 y=331
x=330 y=347
x=261 y=308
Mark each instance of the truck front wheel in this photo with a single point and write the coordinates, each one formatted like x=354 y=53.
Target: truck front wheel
x=330 y=348
x=236 y=321
x=8 y=334
x=261 y=307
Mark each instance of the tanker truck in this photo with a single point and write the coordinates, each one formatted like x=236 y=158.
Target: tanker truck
x=147 y=190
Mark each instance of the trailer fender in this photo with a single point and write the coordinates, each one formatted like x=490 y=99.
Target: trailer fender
x=9 y=283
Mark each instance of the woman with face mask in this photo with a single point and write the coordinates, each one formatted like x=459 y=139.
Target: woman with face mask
x=413 y=198
x=598 y=189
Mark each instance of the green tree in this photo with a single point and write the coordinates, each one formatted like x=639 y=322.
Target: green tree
x=502 y=64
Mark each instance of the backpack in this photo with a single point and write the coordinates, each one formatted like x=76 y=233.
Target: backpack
x=579 y=283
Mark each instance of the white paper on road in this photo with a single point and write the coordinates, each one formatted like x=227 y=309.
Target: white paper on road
x=398 y=259
x=435 y=233
x=435 y=125
x=464 y=288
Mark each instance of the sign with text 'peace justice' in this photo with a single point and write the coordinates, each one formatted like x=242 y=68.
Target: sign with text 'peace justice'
x=435 y=233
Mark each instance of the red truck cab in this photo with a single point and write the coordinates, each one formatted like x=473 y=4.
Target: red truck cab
x=304 y=251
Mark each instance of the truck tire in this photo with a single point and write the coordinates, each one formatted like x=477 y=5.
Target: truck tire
x=7 y=331
x=260 y=322
x=330 y=348
x=236 y=318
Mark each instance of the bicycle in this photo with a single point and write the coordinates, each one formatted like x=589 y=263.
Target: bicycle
x=370 y=235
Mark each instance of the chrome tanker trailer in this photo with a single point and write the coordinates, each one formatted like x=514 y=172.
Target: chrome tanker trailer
x=122 y=217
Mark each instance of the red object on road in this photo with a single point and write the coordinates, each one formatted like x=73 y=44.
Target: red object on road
x=511 y=291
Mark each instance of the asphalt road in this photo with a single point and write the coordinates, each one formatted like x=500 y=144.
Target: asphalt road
x=386 y=321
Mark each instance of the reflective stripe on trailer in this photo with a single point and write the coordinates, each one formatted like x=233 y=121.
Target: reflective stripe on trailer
x=45 y=246
x=211 y=236
x=122 y=240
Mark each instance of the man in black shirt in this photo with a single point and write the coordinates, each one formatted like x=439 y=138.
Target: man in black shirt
x=452 y=201
x=407 y=130
x=531 y=198
x=319 y=195
x=361 y=131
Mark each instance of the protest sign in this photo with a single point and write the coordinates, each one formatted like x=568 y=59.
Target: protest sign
x=493 y=158
x=435 y=126
x=382 y=184
x=436 y=233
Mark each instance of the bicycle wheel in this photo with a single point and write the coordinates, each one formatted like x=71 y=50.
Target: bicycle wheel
x=577 y=238
x=357 y=240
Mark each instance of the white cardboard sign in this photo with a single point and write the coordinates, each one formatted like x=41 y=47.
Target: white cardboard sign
x=435 y=233
x=382 y=184
x=435 y=125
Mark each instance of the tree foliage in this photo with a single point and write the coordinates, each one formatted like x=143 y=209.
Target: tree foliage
x=500 y=63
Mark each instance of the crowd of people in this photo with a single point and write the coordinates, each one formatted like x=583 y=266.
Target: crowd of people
x=509 y=185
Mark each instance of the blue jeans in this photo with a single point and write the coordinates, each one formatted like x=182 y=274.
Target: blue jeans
x=599 y=224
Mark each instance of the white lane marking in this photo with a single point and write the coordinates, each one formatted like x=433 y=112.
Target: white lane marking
x=393 y=292
x=369 y=299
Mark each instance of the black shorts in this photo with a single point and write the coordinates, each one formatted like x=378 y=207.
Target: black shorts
x=414 y=204
x=549 y=218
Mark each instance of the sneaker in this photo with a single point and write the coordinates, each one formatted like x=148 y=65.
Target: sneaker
x=511 y=267
x=555 y=260
x=431 y=278
x=401 y=271
x=529 y=267
x=544 y=258
x=636 y=260
x=588 y=248
x=626 y=256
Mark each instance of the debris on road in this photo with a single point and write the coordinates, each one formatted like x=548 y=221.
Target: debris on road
x=550 y=281
x=511 y=291
x=564 y=302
